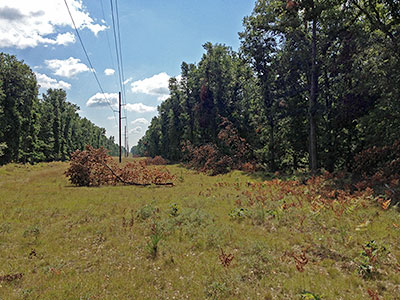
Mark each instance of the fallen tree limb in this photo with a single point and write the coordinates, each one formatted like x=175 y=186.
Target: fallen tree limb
x=135 y=183
x=94 y=167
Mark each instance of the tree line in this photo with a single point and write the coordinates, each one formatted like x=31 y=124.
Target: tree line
x=34 y=130
x=313 y=84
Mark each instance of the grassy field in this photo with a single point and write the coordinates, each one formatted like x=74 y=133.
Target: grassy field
x=222 y=237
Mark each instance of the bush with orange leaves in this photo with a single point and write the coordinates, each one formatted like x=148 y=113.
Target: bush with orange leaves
x=94 y=167
x=230 y=151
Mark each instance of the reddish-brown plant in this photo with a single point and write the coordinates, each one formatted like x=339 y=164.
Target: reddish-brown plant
x=374 y=295
x=156 y=160
x=229 y=152
x=301 y=260
x=93 y=167
x=225 y=259
x=9 y=277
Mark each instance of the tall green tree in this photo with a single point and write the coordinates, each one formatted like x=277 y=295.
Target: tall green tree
x=19 y=105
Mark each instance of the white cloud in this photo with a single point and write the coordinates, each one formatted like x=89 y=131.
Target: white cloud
x=68 y=67
x=128 y=80
x=140 y=121
x=111 y=118
x=140 y=108
x=47 y=82
x=156 y=85
x=26 y=24
x=136 y=130
x=100 y=100
x=163 y=98
x=109 y=72
x=65 y=39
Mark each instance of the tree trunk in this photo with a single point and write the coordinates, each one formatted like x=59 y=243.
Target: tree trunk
x=313 y=99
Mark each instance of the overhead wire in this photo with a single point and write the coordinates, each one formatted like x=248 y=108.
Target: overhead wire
x=118 y=50
x=92 y=69
x=116 y=46
x=122 y=73
x=108 y=40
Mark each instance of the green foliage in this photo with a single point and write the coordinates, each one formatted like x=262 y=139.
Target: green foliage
x=174 y=210
x=309 y=296
x=18 y=110
x=239 y=213
x=3 y=147
x=34 y=129
x=146 y=212
x=155 y=238
x=347 y=52
x=371 y=257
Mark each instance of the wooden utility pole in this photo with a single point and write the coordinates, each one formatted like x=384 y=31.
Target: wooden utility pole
x=126 y=149
x=119 y=112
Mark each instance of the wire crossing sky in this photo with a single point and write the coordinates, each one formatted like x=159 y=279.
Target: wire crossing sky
x=152 y=38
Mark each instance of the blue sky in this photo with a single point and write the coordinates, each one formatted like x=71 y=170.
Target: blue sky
x=157 y=36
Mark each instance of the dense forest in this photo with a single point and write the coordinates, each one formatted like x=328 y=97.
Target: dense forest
x=47 y=129
x=314 y=85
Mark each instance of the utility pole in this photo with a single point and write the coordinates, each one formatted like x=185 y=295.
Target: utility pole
x=120 y=144
x=127 y=145
x=126 y=149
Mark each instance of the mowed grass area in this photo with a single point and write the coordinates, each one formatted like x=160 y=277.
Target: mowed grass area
x=125 y=242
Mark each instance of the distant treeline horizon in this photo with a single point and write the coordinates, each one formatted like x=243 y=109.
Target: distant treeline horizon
x=35 y=130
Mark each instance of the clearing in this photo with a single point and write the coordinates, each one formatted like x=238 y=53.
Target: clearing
x=230 y=236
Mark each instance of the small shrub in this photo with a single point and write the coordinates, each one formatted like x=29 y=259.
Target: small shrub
x=174 y=210
x=226 y=258
x=155 y=238
x=370 y=259
x=239 y=213
x=301 y=260
x=309 y=296
x=145 y=212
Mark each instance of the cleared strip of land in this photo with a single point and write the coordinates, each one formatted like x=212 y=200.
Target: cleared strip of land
x=221 y=237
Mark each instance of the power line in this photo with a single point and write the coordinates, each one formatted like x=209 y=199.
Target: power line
x=87 y=57
x=116 y=45
x=118 y=50
x=108 y=40
x=122 y=72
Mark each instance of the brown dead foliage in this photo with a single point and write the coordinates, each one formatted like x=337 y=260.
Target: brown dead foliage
x=94 y=167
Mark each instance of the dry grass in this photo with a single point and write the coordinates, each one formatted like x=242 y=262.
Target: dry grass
x=98 y=243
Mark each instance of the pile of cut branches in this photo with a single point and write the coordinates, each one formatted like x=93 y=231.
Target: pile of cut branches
x=94 y=167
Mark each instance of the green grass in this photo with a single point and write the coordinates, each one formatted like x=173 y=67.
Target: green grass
x=99 y=243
